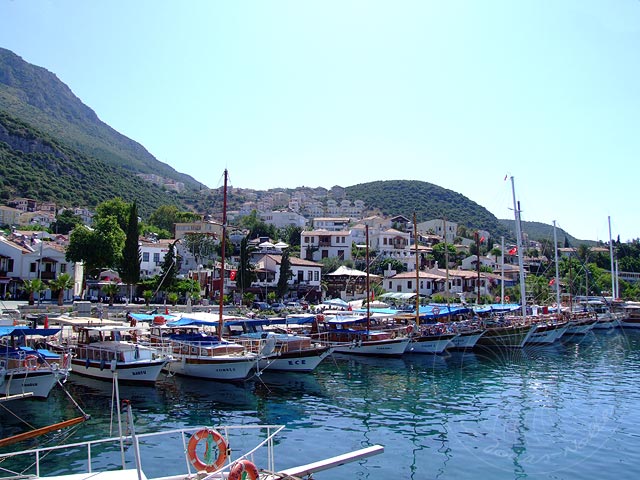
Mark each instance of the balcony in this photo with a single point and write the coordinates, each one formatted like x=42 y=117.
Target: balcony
x=47 y=275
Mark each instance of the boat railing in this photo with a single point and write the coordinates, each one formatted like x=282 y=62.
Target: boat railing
x=166 y=441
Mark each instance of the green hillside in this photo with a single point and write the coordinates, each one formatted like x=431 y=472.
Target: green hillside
x=38 y=98
x=428 y=201
x=34 y=165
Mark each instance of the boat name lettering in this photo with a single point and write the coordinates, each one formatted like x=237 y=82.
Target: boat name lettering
x=139 y=372
x=297 y=362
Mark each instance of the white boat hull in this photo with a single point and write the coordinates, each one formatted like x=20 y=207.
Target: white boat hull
x=429 y=344
x=390 y=347
x=300 y=361
x=221 y=367
x=543 y=335
x=143 y=372
x=37 y=383
x=465 y=340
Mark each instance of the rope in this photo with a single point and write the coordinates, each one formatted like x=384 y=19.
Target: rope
x=17 y=417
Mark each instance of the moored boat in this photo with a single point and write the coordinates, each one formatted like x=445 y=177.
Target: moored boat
x=100 y=351
x=283 y=351
x=505 y=335
x=630 y=315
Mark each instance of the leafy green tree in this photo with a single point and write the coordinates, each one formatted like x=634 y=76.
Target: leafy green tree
x=65 y=222
x=285 y=274
x=32 y=287
x=117 y=208
x=248 y=298
x=131 y=256
x=63 y=282
x=379 y=266
x=438 y=252
x=165 y=217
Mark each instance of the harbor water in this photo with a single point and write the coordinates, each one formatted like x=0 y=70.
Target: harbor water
x=564 y=411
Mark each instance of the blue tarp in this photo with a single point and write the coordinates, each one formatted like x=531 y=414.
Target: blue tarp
x=185 y=322
x=497 y=307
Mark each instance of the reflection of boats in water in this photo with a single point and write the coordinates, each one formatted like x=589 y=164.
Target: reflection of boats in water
x=287 y=384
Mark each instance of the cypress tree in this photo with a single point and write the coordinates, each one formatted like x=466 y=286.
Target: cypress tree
x=131 y=257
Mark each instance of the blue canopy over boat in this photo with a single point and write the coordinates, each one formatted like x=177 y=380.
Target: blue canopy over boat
x=146 y=317
x=438 y=311
x=497 y=307
x=23 y=330
x=186 y=322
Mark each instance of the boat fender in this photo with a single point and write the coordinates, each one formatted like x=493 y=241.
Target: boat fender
x=210 y=436
x=244 y=469
x=87 y=364
x=102 y=364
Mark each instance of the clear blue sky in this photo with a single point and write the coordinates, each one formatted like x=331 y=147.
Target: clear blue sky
x=321 y=93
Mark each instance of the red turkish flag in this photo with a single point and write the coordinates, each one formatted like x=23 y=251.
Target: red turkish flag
x=232 y=275
x=513 y=251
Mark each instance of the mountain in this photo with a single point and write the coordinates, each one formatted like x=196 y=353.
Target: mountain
x=55 y=148
x=35 y=165
x=38 y=98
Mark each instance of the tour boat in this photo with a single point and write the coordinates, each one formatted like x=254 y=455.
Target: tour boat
x=100 y=351
x=283 y=351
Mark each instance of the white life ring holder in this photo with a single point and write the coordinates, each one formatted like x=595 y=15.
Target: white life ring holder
x=436 y=310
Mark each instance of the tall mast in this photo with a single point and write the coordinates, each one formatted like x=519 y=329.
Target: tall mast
x=477 y=239
x=446 y=262
x=555 y=250
x=415 y=244
x=502 y=272
x=613 y=276
x=516 y=209
x=366 y=232
x=222 y=253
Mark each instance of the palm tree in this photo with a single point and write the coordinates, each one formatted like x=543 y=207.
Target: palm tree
x=111 y=289
x=32 y=287
x=148 y=295
x=60 y=284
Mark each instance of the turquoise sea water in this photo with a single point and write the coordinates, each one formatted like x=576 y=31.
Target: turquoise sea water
x=566 y=411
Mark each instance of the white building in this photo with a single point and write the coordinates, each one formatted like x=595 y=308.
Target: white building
x=281 y=219
x=318 y=244
x=438 y=227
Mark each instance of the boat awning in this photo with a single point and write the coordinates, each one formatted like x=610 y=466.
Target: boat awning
x=345 y=320
x=146 y=317
x=22 y=331
x=398 y=295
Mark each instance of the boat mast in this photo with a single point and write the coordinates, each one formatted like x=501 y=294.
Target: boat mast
x=446 y=262
x=613 y=276
x=502 y=272
x=222 y=253
x=555 y=250
x=415 y=244
x=516 y=209
x=366 y=233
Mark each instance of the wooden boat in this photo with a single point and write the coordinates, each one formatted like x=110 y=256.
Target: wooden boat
x=547 y=331
x=580 y=323
x=468 y=335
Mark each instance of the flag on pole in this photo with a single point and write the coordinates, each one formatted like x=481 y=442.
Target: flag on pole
x=552 y=281
x=513 y=251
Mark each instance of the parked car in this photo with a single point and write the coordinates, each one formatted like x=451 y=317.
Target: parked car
x=260 y=306
x=277 y=307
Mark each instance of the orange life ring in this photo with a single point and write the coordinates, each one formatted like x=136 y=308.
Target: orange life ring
x=30 y=362
x=209 y=435
x=435 y=310
x=244 y=466
x=320 y=317
x=506 y=298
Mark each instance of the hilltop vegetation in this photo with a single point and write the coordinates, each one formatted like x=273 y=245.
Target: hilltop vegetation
x=34 y=165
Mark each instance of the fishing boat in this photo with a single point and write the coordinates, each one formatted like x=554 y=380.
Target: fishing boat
x=100 y=351
x=29 y=371
x=283 y=350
